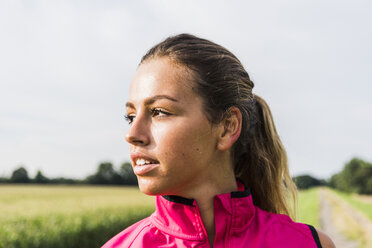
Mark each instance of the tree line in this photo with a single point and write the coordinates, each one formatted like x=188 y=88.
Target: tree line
x=106 y=174
x=355 y=177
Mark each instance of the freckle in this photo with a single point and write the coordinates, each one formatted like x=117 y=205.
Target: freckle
x=197 y=149
x=183 y=154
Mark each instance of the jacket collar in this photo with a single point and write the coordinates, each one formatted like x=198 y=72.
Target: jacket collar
x=181 y=217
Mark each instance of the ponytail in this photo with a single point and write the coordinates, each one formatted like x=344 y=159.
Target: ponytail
x=264 y=165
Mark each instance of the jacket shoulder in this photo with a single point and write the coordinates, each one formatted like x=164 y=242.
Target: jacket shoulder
x=285 y=230
x=126 y=237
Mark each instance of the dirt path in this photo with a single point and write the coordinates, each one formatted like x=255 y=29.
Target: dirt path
x=362 y=219
x=327 y=225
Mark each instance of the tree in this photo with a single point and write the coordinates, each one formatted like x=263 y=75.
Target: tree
x=355 y=177
x=40 y=178
x=306 y=181
x=20 y=175
x=105 y=174
x=368 y=186
x=127 y=174
x=4 y=180
x=63 y=180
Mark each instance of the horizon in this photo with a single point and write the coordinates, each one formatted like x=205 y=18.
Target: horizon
x=116 y=167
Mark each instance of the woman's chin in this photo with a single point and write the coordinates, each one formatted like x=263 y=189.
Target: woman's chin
x=149 y=187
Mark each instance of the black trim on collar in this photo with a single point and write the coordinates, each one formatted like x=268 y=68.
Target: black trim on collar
x=190 y=202
x=315 y=236
x=179 y=199
x=241 y=194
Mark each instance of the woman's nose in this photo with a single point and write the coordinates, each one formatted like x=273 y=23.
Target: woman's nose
x=138 y=133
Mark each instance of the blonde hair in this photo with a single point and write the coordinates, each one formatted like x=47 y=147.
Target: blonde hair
x=264 y=167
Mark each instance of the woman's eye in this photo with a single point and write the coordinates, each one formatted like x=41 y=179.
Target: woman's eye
x=129 y=118
x=158 y=112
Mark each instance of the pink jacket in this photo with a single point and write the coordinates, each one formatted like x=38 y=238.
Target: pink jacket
x=176 y=222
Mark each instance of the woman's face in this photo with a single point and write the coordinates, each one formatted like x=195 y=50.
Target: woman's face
x=172 y=143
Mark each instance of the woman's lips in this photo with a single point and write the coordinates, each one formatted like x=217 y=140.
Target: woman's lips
x=140 y=170
x=142 y=163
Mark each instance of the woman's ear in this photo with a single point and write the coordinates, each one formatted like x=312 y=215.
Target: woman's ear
x=231 y=128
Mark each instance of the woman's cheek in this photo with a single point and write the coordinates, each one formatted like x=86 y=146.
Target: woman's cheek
x=170 y=133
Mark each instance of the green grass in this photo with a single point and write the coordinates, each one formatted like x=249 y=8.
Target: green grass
x=308 y=207
x=355 y=201
x=67 y=216
x=86 y=216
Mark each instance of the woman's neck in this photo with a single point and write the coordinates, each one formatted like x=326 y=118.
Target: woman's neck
x=204 y=198
x=217 y=178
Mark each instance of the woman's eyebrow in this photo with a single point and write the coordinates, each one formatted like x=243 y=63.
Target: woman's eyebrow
x=129 y=105
x=151 y=100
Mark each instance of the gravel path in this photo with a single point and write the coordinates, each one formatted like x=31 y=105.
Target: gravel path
x=327 y=226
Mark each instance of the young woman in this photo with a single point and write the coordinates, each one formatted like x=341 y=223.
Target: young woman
x=207 y=147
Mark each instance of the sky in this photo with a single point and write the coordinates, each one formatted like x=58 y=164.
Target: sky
x=65 y=69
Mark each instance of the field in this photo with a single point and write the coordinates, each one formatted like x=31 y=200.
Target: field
x=86 y=216
x=67 y=216
x=362 y=203
x=309 y=207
